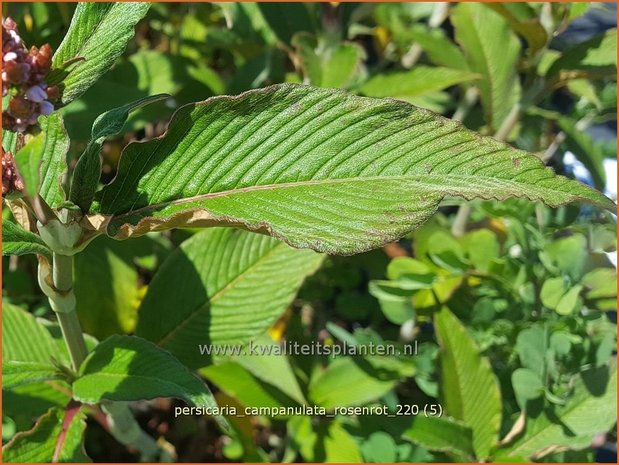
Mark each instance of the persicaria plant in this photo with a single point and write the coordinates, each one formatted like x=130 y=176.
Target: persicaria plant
x=278 y=177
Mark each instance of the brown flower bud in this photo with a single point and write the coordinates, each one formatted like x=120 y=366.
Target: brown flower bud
x=11 y=179
x=23 y=76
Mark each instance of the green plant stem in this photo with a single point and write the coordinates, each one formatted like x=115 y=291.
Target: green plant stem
x=458 y=228
x=127 y=431
x=62 y=278
x=123 y=426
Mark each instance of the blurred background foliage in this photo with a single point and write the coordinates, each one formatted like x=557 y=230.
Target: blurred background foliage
x=515 y=293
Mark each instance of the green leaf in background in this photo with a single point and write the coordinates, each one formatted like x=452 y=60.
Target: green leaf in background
x=254 y=72
x=349 y=381
x=577 y=9
x=410 y=271
x=42 y=161
x=492 y=50
x=482 y=247
x=552 y=291
x=318 y=168
x=97 y=36
x=222 y=286
x=443 y=435
x=257 y=379
x=586 y=150
x=106 y=287
x=45 y=443
x=17 y=373
x=439 y=48
x=18 y=241
x=85 y=180
x=24 y=339
x=591 y=410
x=470 y=391
x=523 y=19
x=596 y=55
x=286 y=19
x=567 y=254
x=531 y=345
x=273 y=369
x=325 y=66
x=395 y=301
x=126 y=368
x=570 y=302
x=324 y=442
x=407 y=276
x=339 y=446
x=418 y=81
x=246 y=387
x=527 y=386
x=379 y=447
x=601 y=288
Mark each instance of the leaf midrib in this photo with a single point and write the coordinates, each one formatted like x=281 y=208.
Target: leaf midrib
x=218 y=295
x=416 y=178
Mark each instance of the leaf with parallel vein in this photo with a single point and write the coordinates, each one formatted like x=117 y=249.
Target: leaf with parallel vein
x=317 y=168
x=97 y=36
x=226 y=287
x=42 y=161
x=18 y=241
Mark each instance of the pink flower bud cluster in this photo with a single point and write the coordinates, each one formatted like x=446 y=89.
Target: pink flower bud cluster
x=23 y=78
x=11 y=179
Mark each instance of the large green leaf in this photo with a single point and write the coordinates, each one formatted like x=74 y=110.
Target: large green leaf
x=42 y=161
x=469 y=388
x=591 y=410
x=225 y=286
x=24 y=339
x=57 y=436
x=18 y=241
x=127 y=368
x=318 y=168
x=441 y=434
x=418 y=81
x=97 y=36
x=492 y=50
